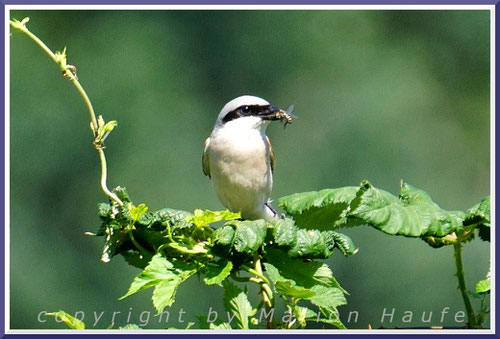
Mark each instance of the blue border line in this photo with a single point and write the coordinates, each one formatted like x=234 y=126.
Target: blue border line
x=251 y=2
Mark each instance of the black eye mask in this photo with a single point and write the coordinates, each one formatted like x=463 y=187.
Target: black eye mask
x=248 y=110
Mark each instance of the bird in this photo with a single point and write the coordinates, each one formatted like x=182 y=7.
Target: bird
x=239 y=159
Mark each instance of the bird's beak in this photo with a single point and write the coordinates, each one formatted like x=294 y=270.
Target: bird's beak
x=272 y=113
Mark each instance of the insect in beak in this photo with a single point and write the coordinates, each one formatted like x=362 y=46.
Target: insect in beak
x=286 y=115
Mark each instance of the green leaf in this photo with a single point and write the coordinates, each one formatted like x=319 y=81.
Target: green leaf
x=249 y=236
x=312 y=244
x=344 y=244
x=483 y=286
x=221 y=326
x=217 y=273
x=332 y=318
x=114 y=237
x=288 y=288
x=479 y=213
x=479 y=216
x=207 y=217
x=137 y=211
x=272 y=272
x=136 y=258
x=237 y=304
x=302 y=314
x=294 y=277
x=305 y=274
x=121 y=192
x=109 y=126
x=319 y=210
x=158 y=269
x=284 y=232
x=218 y=324
x=164 y=292
x=224 y=236
x=165 y=276
x=327 y=297
x=103 y=210
x=68 y=320
x=130 y=327
x=412 y=214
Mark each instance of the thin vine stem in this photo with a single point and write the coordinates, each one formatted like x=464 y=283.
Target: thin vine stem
x=139 y=246
x=266 y=293
x=69 y=72
x=104 y=175
x=256 y=273
x=462 y=286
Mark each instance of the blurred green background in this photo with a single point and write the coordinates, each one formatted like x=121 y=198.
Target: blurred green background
x=380 y=95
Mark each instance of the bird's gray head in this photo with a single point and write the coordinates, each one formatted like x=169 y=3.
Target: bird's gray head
x=248 y=108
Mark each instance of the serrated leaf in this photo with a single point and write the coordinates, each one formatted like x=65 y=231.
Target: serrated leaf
x=121 y=192
x=158 y=270
x=249 y=236
x=288 y=288
x=327 y=297
x=483 y=286
x=305 y=274
x=412 y=214
x=103 y=210
x=224 y=236
x=158 y=220
x=319 y=210
x=332 y=318
x=165 y=276
x=136 y=258
x=137 y=211
x=284 y=232
x=68 y=320
x=217 y=273
x=479 y=215
x=311 y=244
x=272 y=272
x=164 y=292
x=207 y=217
x=114 y=237
x=484 y=232
x=237 y=304
x=344 y=243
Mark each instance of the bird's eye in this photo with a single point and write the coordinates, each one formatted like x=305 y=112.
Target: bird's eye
x=245 y=109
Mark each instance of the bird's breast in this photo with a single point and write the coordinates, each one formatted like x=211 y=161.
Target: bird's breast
x=240 y=169
x=240 y=154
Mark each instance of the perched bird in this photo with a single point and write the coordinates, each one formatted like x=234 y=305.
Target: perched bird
x=239 y=159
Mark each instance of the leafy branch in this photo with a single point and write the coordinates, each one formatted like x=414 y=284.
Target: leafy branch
x=411 y=214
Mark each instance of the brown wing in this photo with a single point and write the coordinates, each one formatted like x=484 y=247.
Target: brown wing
x=205 y=160
x=271 y=154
